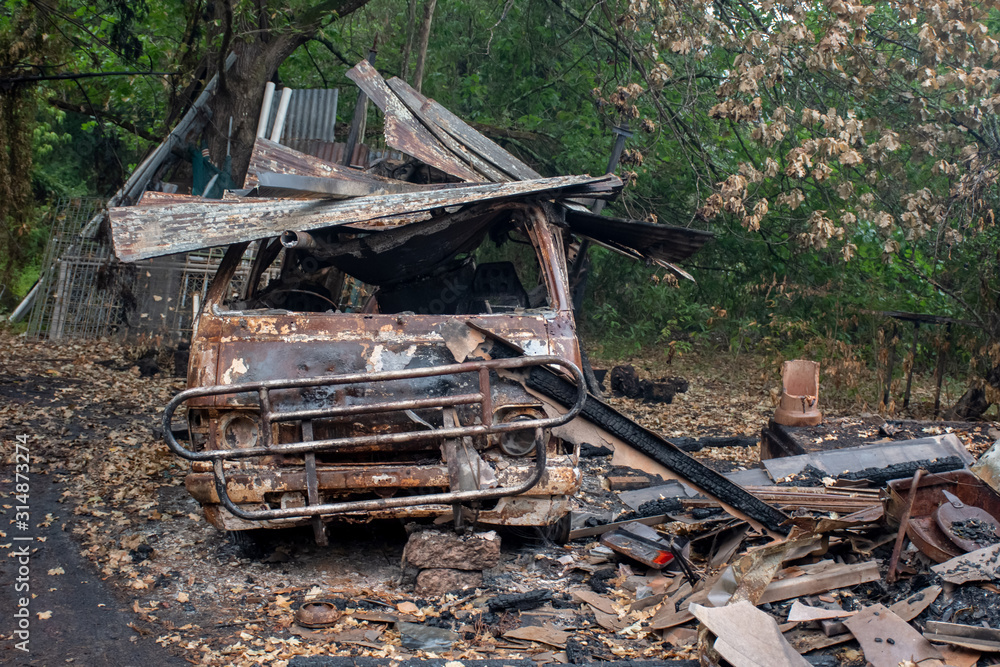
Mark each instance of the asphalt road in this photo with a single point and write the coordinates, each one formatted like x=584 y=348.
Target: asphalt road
x=88 y=625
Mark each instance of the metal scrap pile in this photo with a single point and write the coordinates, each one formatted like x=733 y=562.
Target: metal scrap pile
x=884 y=562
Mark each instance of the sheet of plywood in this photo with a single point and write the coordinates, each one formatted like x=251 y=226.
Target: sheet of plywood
x=748 y=637
x=800 y=613
x=888 y=640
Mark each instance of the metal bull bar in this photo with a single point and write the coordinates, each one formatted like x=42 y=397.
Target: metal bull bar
x=268 y=417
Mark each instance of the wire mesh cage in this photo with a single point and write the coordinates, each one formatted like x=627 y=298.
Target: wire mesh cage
x=85 y=292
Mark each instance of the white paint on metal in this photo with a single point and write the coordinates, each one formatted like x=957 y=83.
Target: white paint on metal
x=265 y=109
x=238 y=367
x=279 y=119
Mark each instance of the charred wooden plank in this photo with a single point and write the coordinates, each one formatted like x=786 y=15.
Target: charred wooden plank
x=271 y=157
x=402 y=130
x=151 y=231
x=418 y=105
x=657 y=448
x=478 y=143
x=696 y=474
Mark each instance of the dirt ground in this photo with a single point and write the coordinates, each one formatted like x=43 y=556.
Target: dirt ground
x=125 y=571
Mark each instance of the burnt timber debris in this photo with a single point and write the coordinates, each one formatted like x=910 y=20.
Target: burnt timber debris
x=388 y=371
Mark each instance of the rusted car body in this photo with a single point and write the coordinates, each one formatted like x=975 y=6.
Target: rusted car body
x=398 y=409
x=384 y=369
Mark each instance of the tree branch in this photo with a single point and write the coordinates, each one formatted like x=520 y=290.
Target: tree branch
x=307 y=24
x=551 y=82
x=305 y=47
x=333 y=49
x=88 y=110
x=81 y=75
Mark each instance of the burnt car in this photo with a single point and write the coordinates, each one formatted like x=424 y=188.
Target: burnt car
x=374 y=358
x=364 y=381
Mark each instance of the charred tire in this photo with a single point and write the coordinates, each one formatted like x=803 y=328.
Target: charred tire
x=558 y=532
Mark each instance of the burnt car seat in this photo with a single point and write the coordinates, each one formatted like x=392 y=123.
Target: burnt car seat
x=497 y=283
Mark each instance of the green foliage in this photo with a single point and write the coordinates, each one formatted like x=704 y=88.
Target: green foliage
x=548 y=80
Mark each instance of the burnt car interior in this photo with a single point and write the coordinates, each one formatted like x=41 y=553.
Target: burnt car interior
x=485 y=266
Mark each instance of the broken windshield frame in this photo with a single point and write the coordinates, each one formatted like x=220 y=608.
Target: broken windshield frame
x=316 y=277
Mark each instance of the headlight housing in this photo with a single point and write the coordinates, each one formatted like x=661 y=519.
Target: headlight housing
x=520 y=443
x=239 y=431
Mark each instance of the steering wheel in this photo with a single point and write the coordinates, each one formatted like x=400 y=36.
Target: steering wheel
x=267 y=296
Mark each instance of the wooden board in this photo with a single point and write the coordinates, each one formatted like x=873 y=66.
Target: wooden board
x=747 y=636
x=151 y=231
x=838 y=576
x=888 y=640
x=403 y=131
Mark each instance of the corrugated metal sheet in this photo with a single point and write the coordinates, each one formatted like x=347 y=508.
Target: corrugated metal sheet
x=312 y=115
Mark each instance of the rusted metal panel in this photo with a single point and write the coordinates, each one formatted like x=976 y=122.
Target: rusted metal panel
x=271 y=157
x=475 y=141
x=644 y=239
x=403 y=131
x=151 y=231
x=415 y=102
x=325 y=402
x=526 y=511
x=320 y=401
x=253 y=485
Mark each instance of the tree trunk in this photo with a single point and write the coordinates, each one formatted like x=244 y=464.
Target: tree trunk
x=240 y=98
x=241 y=89
x=411 y=21
x=423 y=37
x=974 y=402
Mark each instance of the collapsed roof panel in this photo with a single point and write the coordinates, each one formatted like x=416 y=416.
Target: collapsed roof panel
x=151 y=231
x=469 y=136
x=415 y=102
x=403 y=131
x=645 y=239
x=423 y=128
x=299 y=192
x=277 y=170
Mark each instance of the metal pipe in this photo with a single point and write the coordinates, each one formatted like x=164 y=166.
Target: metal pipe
x=904 y=521
x=265 y=109
x=208 y=187
x=25 y=304
x=302 y=240
x=375 y=408
x=279 y=118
